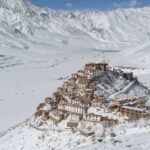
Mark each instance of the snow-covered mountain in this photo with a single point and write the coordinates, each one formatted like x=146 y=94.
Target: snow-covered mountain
x=23 y=21
x=25 y=26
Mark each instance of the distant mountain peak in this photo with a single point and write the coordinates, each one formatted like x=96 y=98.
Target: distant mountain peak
x=120 y=26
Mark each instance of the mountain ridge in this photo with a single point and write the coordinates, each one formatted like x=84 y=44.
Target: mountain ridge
x=111 y=26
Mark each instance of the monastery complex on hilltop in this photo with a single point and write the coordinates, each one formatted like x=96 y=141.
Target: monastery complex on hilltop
x=79 y=93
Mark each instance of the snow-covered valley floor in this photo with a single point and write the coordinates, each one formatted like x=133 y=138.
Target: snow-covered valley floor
x=24 y=86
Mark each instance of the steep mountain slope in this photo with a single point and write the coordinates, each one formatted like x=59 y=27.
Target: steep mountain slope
x=26 y=27
x=138 y=56
x=113 y=85
x=20 y=19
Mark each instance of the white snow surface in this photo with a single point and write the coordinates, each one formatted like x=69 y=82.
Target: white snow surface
x=39 y=48
x=134 y=136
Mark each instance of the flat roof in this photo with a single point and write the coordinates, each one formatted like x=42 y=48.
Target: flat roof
x=133 y=108
x=119 y=100
x=96 y=63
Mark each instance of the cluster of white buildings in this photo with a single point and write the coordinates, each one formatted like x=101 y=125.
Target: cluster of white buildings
x=132 y=108
x=78 y=94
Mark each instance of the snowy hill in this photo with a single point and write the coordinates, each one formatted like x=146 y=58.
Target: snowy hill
x=115 y=86
x=30 y=135
x=138 y=56
x=127 y=135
